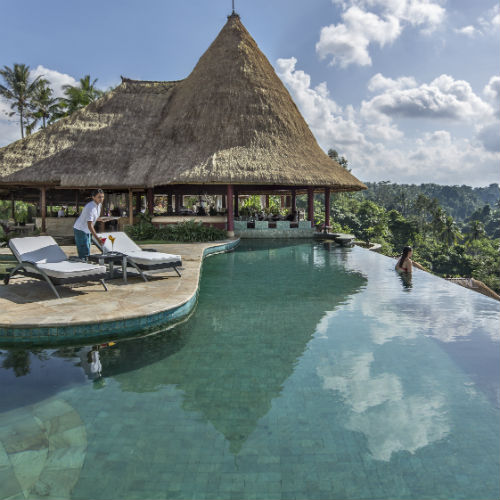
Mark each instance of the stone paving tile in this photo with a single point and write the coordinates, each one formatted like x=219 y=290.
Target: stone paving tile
x=29 y=303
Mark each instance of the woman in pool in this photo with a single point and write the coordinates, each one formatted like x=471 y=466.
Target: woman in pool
x=84 y=225
x=404 y=263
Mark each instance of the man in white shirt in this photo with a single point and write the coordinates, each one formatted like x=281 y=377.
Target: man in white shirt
x=84 y=225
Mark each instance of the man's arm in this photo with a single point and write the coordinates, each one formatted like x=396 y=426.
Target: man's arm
x=92 y=230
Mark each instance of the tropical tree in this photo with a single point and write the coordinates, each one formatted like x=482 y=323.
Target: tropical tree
x=438 y=221
x=476 y=230
x=450 y=232
x=79 y=96
x=341 y=160
x=45 y=106
x=19 y=90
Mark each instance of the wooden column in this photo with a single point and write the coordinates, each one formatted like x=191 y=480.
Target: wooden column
x=151 y=201
x=236 y=204
x=77 y=201
x=310 y=204
x=327 y=206
x=170 y=208
x=267 y=201
x=43 y=208
x=230 y=213
x=12 y=206
x=138 y=202
x=177 y=203
x=294 y=202
x=130 y=207
x=224 y=201
x=282 y=202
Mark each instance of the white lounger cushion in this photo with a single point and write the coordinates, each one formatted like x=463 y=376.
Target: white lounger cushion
x=49 y=256
x=38 y=249
x=153 y=258
x=67 y=269
x=124 y=244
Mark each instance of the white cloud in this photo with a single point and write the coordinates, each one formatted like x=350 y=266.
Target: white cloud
x=369 y=136
x=57 y=80
x=490 y=21
x=469 y=31
x=366 y=22
x=347 y=42
x=379 y=82
x=321 y=112
x=492 y=90
x=374 y=400
x=487 y=24
x=444 y=97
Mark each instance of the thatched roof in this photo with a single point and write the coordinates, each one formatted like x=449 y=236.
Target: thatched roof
x=230 y=121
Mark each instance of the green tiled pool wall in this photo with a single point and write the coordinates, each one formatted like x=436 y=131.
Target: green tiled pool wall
x=108 y=329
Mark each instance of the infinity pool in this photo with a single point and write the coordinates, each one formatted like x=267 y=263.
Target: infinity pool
x=307 y=371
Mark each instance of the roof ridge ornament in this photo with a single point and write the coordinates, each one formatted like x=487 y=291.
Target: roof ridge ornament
x=233 y=12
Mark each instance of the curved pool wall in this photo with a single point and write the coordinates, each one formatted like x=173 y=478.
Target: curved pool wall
x=110 y=330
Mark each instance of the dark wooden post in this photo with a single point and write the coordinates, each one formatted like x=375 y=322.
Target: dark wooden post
x=77 y=201
x=12 y=206
x=294 y=202
x=151 y=201
x=43 y=208
x=169 y=203
x=236 y=204
x=282 y=202
x=267 y=201
x=130 y=207
x=310 y=205
x=177 y=203
x=138 y=202
x=224 y=201
x=230 y=212
x=327 y=207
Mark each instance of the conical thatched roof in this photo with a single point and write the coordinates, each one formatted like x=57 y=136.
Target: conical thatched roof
x=230 y=121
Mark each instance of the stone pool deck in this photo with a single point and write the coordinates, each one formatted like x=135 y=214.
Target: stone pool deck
x=29 y=312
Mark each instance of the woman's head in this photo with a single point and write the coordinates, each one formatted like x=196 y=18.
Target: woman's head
x=407 y=252
x=97 y=195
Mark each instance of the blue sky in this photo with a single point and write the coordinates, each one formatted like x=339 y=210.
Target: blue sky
x=408 y=90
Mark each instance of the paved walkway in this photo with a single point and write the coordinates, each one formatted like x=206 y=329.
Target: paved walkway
x=29 y=303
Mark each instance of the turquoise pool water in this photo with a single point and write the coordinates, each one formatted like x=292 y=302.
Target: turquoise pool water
x=307 y=371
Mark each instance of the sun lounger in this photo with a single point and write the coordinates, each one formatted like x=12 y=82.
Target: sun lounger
x=144 y=261
x=42 y=258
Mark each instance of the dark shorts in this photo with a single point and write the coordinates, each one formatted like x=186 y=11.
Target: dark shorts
x=82 y=241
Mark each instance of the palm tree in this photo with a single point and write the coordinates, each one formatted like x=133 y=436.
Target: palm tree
x=79 y=96
x=438 y=221
x=450 y=232
x=44 y=106
x=476 y=230
x=19 y=90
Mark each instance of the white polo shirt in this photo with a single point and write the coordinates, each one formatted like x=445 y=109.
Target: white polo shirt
x=90 y=213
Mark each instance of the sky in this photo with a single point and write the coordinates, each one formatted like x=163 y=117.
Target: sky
x=406 y=90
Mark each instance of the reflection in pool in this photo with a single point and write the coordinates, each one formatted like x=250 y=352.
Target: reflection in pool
x=306 y=371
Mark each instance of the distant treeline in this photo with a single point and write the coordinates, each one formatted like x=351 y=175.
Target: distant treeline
x=458 y=201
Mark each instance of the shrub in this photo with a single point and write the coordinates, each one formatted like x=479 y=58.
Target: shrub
x=188 y=231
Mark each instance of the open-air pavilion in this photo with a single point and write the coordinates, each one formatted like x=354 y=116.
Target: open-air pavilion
x=230 y=128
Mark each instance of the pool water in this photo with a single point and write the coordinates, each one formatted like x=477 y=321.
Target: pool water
x=307 y=371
